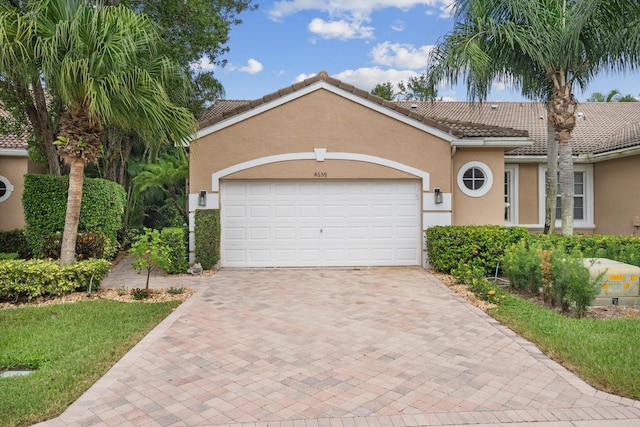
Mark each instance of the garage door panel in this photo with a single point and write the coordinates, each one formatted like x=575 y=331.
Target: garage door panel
x=316 y=223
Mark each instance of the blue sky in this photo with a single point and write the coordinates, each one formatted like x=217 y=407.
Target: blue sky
x=361 y=42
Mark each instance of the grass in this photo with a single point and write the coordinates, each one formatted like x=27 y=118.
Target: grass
x=604 y=353
x=70 y=346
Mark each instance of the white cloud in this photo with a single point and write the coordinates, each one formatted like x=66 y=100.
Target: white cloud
x=398 y=26
x=203 y=64
x=284 y=8
x=368 y=78
x=401 y=55
x=341 y=29
x=346 y=17
x=252 y=67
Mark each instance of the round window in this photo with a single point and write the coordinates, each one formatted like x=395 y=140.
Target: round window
x=5 y=188
x=475 y=179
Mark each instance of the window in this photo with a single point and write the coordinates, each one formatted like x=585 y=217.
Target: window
x=475 y=179
x=578 y=197
x=5 y=188
x=510 y=194
x=582 y=198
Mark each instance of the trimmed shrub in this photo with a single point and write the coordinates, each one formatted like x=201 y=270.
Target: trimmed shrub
x=521 y=265
x=207 y=237
x=15 y=241
x=24 y=280
x=174 y=240
x=45 y=203
x=88 y=245
x=482 y=246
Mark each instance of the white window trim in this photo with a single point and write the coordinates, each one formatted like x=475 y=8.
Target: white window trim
x=515 y=218
x=588 y=221
x=9 y=186
x=487 y=174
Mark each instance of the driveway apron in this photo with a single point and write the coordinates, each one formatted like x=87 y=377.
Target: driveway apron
x=335 y=347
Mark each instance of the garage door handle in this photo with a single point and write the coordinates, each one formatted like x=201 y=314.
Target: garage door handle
x=321 y=230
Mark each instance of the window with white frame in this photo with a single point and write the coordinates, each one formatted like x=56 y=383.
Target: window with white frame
x=582 y=197
x=5 y=188
x=510 y=194
x=475 y=179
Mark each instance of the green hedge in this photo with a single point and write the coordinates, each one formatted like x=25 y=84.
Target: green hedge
x=14 y=241
x=24 y=280
x=45 y=203
x=207 y=237
x=619 y=248
x=174 y=239
x=483 y=245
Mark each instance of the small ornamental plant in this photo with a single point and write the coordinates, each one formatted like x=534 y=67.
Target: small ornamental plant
x=140 y=294
x=149 y=253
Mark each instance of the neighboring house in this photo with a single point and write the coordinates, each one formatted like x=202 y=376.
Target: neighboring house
x=14 y=164
x=324 y=174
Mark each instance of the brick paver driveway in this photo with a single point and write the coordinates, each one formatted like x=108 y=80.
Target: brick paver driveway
x=308 y=347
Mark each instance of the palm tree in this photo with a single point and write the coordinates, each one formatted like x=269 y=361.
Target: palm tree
x=613 y=96
x=164 y=174
x=546 y=47
x=101 y=62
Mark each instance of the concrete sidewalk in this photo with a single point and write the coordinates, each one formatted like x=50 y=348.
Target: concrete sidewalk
x=335 y=347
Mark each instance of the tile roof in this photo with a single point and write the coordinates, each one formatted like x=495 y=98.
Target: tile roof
x=601 y=127
x=225 y=109
x=12 y=141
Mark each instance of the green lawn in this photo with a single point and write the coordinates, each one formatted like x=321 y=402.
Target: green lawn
x=605 y=353
x=70 y=346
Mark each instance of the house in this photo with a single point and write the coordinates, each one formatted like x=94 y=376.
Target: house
x=14 y=164
x=324 y=174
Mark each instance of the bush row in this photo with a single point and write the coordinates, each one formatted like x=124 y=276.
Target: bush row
x=24 y=280
x=14 y=241
x=484 y=246
x=559 y=274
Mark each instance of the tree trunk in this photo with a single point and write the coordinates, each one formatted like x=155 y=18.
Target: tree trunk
x=551 y=198
x=562 y=116
x=72 y=218
x=117 y=149
x=566 y=183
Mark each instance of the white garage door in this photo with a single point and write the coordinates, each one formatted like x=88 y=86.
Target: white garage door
x=320 y=223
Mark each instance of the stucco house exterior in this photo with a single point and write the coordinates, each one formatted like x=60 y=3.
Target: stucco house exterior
x=322 y=173
x=14 y=164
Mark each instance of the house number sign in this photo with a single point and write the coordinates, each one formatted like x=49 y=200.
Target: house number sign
x=320 y=175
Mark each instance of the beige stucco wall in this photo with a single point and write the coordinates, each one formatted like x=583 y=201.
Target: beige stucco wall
x=320 y=119
x=11 y=214
x=488 y=209
x=616 y=195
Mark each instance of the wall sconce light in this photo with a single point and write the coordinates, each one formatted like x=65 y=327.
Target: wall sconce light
x=202 y=198
x=437 y=194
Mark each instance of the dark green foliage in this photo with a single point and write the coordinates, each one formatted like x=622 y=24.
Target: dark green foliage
x=620 y=248
x=88 y=245
x=15 y=241
x=45 y=198
x=482 y=246
x=521 y=265
x=175 y=240
x=24 y=280
x=207 y=237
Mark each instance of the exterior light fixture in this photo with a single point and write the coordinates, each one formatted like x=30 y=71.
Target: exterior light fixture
x=202 y=198
x=437 y=194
